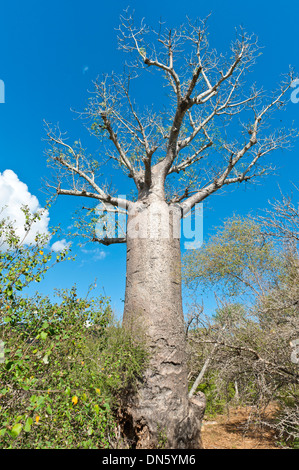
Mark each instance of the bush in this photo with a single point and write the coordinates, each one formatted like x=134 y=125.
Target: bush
x=251 y=340
x=216 y=401
x=22 y=263
x=65 y=366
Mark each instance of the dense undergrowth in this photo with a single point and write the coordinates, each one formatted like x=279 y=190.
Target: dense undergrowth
x=63 y=363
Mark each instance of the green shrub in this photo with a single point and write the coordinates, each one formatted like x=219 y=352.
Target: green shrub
x=22 y=263
x=61 y=380
x=216 y=401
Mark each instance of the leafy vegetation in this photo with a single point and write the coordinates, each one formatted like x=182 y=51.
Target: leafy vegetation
x=22 y=263
x=247 y=344
x=65 y=362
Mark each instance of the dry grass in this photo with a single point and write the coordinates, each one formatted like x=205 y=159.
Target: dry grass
x=231 y=431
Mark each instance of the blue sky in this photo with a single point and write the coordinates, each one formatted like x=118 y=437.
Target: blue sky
x=51 y=52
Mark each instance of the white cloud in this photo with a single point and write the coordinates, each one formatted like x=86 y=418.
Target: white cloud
x=60 y=245
x=99 y=255
x=95 y=255
x=13 y=194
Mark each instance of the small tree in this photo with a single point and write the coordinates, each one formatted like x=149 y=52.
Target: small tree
x=237 y=260
x=253 y=344
x=177 y=157
x=21 y=262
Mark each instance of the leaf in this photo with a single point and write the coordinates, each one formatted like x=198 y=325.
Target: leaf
x=142 y=51
x=17 y=428
x=32 y=399
x=29 y=422
x=75 y=400
x=9 y=291
x=40 y=401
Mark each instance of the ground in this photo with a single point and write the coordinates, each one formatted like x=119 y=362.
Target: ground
x=230 y=431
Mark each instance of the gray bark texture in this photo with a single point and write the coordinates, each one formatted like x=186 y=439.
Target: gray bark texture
x=160 y=413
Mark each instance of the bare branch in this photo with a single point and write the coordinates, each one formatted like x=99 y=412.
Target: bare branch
x=265 y=146
x=74 y=163
x=109 y=241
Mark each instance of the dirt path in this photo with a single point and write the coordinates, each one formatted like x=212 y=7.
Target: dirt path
x=229 y=432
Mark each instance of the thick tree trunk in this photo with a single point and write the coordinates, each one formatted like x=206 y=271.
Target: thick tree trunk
x=160 y=413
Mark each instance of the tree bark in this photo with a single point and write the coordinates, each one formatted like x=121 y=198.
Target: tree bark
x=160 y=413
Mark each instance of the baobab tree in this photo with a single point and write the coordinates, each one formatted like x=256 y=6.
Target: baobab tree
x=177 y=153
